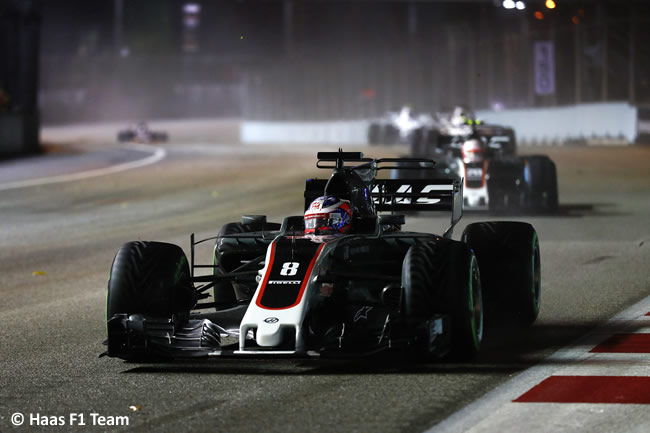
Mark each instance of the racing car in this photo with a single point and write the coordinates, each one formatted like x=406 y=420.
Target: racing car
x=484 y=155
x=140 y=133
x=342 y=279
x=397 y=127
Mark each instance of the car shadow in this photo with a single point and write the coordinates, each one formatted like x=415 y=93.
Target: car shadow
x=569 y=210
x=506 y=349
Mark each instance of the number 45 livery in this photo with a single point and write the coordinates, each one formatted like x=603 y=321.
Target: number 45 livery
x=352 y=283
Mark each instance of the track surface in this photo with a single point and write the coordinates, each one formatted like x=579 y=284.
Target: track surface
x=595 y=257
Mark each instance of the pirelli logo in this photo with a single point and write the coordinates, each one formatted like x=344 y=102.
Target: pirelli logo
x=284 y=282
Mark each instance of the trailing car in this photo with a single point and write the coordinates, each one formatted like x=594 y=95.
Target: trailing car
x=397 y=127
x=140 y=133
x=484 y=155
x=342 y=279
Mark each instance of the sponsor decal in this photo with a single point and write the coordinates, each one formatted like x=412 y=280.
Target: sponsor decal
x=284 y=282
x=408 y=189
x=362 y=313
x=271 y=320
x=474 y=173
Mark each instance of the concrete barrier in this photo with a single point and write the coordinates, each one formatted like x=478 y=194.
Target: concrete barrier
x=584 y=123
x=335 y=132
x=611 y=123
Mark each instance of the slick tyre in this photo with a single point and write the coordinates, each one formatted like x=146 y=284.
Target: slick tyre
x=226 y=259
x=124 y=136
x=464 y=300
x=159 y=137
x=442 y=277
x=151 y=278
x=420 y=275
x=509 y=257
x=374 y=134
x=540 y=176
x=504 y=192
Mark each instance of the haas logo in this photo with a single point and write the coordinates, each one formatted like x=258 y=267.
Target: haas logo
x=315 y=205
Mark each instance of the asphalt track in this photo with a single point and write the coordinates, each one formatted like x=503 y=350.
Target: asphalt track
x=57 y=242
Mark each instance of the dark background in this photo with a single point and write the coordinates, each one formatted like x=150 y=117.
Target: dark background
x=320 y=60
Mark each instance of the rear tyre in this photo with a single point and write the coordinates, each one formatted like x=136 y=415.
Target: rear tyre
x=374 y=134
x=442 y=277
x=124 y=136
x=540 y=176
x=159 y=137
x=151 y=278
x=505 y=194
x=391 y=135
x=509 y=257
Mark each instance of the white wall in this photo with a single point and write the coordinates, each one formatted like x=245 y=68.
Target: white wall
x=573 y=123
x=533 y=126
x=335 y=132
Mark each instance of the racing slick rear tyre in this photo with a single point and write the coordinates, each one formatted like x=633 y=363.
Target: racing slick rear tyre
x=151 y=278
x=504 y=177
x=374 y=134
x=159 y=137
x=509 y=258
x=229 y=292
x=540 y=176
x=124 y=136
x=442 y=277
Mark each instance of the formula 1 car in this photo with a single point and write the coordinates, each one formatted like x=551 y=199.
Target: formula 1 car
x=397 y=127
x=140 y=133
x=484 y=155
x=279 y=289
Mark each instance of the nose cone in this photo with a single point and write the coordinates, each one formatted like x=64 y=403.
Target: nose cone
x=269 y=334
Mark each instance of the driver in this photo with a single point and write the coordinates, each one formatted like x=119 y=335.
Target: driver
x=328 y=215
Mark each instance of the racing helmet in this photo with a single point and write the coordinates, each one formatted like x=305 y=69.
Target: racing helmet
x=328 y=215
x=472 y=150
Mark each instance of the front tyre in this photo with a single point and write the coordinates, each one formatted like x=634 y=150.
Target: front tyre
x=150 y=278
x=442 y=277
x=465 y=302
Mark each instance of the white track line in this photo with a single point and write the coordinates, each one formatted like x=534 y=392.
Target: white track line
x=468 y=418
x=157 y=155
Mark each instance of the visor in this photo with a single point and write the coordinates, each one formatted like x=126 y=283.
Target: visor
x=322 y=223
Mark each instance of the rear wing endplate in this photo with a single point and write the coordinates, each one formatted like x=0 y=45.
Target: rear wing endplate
x=420 y=195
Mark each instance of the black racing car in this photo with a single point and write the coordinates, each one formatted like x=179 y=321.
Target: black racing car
x=274 y=290
x=140 y=133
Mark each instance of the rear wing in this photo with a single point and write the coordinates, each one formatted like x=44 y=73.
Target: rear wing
x=438 y=194
x=417 y=194
x=396 y=195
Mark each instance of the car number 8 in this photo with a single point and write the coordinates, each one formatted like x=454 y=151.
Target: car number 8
x=289 y=268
